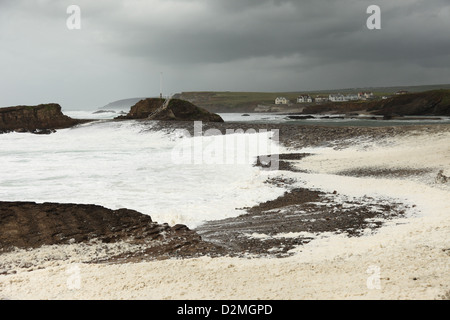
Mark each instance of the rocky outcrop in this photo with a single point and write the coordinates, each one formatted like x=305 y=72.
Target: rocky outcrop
x=31 y=225
x=441 y=178
x=179 y=110
x=44 y=118
x=428 y=103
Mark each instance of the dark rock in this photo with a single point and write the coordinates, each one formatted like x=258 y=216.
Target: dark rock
x=41 y=119
x=177 y=110
x=180 y=227
x=301 y=117
x=299 y=210
x=441 y=178
x=31 y=225
x=280 y=161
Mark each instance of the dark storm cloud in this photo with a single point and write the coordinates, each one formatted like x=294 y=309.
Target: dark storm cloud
x=223 y=31
x=231 y=30
x=259 y=45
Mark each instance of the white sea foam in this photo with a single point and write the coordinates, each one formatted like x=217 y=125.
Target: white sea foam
x=93 y=115
x=123 y=164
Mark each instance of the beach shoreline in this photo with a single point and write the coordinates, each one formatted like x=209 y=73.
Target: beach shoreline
x=386 y=172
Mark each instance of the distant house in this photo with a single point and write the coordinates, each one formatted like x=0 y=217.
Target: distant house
x=319 y=99
x=336 y=97
x=401 y=92
x=281 y=100
x=365 y=95
x=351 y=97
x=304 y=98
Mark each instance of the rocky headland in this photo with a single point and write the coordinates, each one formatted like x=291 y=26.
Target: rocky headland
x=40 y=119
x=176 y=110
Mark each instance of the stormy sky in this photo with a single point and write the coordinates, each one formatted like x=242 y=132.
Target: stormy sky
x=221 y=45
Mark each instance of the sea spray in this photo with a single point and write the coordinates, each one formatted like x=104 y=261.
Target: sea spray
x=125 y=164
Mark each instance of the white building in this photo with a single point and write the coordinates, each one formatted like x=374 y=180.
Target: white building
x=304 y=98
x=351 y=97
x=319 y=99
x=281 y=100
x=336 y=97
x=365 y=95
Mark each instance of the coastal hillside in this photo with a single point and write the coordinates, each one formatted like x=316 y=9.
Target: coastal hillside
x=123 y=104
x=429 y=103
x=229 y=101
x=176 y=110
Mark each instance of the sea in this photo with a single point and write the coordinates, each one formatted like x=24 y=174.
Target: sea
x=126 y=164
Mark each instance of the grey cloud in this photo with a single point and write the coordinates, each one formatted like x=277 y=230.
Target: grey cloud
x=249 y=30
x=220 y=45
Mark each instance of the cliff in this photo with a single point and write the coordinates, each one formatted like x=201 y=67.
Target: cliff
x=43 y=118
x=427 y=103
x=177 y=109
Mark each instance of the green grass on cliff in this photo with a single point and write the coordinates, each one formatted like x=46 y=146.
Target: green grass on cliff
x=446 y=98
x=228 y=101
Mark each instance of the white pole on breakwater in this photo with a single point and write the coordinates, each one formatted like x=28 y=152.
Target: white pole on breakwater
x=160 y=85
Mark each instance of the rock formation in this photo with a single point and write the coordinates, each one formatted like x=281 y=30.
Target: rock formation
x=177 y=109
x=44 y=118
x=441 y=178
x=31 y=225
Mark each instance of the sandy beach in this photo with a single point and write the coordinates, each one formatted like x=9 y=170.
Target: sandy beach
x=406 y=256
